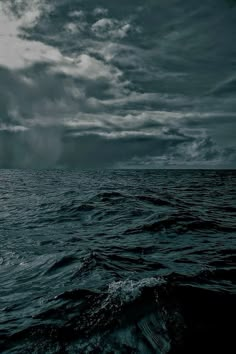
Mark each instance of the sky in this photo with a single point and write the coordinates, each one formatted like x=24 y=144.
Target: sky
x=117 y=84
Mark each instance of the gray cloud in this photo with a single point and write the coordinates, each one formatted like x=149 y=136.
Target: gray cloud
x=105 y=85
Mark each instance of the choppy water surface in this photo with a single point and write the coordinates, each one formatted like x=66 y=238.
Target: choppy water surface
x=117 y=261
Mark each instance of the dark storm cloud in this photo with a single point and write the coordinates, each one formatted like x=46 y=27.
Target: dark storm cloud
x=110 y=84
x=173 y=148
x=28 y=148
x=37 y=91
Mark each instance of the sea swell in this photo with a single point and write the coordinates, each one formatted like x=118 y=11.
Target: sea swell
x=126 y=265
x=154 y=315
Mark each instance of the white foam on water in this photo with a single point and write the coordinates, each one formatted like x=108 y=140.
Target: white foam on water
x=129 y=290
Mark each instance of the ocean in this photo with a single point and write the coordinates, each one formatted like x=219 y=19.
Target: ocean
x=117 y=261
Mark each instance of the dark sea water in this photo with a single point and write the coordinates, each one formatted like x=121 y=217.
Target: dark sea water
x=117 y=261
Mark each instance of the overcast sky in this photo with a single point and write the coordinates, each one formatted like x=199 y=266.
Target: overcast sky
x=117 y=84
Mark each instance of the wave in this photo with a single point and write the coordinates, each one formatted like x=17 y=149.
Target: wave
x=61 y=263
x=154 y=200
x=180 y=224
x=152 y=315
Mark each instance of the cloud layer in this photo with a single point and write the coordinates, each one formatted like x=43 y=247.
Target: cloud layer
x=90 y=85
